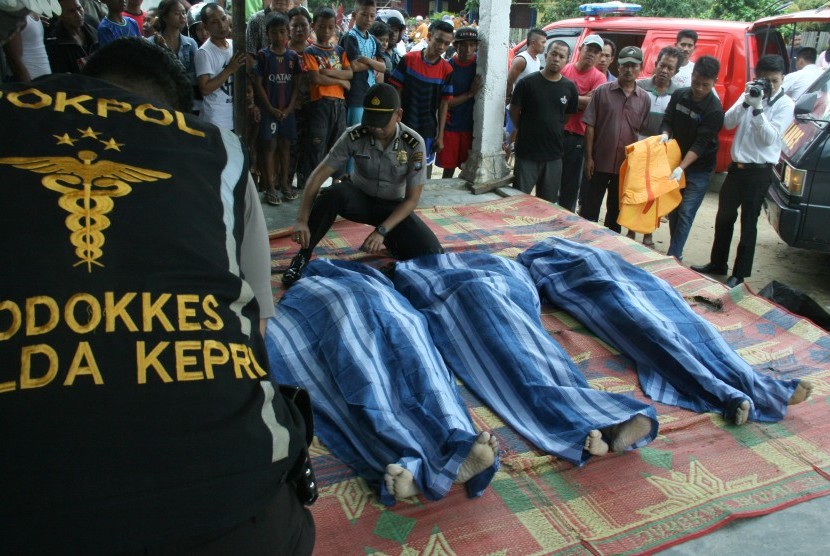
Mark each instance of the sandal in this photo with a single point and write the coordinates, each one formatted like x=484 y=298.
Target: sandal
x=272 y=198
x=648 y=241
x=290 y=194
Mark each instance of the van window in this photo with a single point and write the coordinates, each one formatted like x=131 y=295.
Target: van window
x=766 y=41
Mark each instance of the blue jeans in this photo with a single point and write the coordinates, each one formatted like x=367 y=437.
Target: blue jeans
x=681 y=218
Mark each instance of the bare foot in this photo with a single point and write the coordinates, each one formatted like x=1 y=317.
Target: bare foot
x=399 y=482
x=595 y=445
x=625 y=434
x=802 y=392
x=742 y=413
x=482 y=455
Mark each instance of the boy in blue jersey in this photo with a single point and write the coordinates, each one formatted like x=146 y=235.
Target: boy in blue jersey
x=275 y=68
x=115 y=25
x=458 y=135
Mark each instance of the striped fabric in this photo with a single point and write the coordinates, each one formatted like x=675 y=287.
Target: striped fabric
x=483 y=313
x=380 y=391
x=681 y=359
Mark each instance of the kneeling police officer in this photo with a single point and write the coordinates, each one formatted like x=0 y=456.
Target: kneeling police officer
x=383 y=191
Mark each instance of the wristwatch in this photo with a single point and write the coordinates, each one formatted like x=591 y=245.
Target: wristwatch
x=757 y=111
x=381 y=230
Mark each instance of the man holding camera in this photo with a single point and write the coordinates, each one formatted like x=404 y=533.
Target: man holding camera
x=761 y=116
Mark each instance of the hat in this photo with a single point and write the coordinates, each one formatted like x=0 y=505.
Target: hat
x=596 y=40
x=466 y=34
x=419 y=18
x=630 y=55
x=391 y=17
x=379 y=105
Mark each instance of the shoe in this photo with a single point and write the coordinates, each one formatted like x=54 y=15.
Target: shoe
x=272 y=198
x=648 y=241
x=709 y=268
x=289 y=194
x=734 y=281
x=295 y=269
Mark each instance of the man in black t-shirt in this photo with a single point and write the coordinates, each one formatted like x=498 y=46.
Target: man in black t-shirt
x=137 y=410
x=538 y=110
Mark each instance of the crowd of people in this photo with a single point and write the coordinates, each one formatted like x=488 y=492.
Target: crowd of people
x=142 y=313
x=571 y=151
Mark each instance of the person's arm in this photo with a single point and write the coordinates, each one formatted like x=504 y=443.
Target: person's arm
x=734 y=114
x=301 y=232
x=14 y=57
x=262 y=96
x=208 y=84
x=471 y=93
x=589 y=151
x=668 y=117
x=374 y=241
x=516 y=68
x=255 y=253
x=584 y=100
x=707 y=134
x=443 y=106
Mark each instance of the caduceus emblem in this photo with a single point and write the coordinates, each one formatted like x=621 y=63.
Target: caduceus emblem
x=87 y=190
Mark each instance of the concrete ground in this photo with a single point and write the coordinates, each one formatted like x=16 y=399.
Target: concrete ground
x=801 y=530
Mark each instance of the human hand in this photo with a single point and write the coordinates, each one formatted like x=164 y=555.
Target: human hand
x=589 y=167
x=373 y=243
x=677 y=174
x=754 y=102
x=236 y=62
x=301 y=234
x=477 y=84
x=664 y=138
x=438 y=144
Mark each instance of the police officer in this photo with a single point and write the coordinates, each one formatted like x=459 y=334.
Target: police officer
x=383 y=191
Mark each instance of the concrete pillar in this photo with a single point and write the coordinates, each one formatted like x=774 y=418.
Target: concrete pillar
x=486 y=168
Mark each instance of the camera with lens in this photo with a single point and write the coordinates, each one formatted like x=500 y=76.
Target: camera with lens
x=760 y=88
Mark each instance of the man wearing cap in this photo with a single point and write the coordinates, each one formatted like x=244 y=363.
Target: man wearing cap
x=383 y=191
x=421 y=29
x=458 y=134
x=616 y=113
x=586 y=77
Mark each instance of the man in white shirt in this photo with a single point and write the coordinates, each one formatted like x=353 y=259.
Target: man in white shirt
x=761 y=123
x=686 y=42
x=797 y=82
x=526 y=62
x=216 y=65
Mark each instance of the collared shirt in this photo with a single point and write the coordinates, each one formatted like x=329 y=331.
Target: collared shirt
x=659 y=103
x=381 y=172
x=616 y=118
x=796 y=83
x=759 y=138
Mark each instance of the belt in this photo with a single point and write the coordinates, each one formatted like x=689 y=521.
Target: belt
x=572 y=133
x=751 y=165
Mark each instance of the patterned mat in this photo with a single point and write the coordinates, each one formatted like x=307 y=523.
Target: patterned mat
x=696 y=476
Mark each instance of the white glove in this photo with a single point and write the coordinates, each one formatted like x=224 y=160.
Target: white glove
x=664 y=138
x=754 y=102
x=677 y=174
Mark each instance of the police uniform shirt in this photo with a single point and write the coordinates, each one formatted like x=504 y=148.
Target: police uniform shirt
x=383 y=173
x=134 y=390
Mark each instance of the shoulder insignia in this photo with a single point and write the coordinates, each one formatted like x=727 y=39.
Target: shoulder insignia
x=357 y=133
x=410 y=140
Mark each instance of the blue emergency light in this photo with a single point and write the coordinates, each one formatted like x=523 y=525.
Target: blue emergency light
x=609 y=8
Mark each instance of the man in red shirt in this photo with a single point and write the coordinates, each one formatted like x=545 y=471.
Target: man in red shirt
x=587 y=78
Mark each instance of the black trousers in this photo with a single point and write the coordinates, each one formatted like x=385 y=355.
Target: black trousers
x=411 y=238
x=572 y=162
x=744 y=189
x=600 y=183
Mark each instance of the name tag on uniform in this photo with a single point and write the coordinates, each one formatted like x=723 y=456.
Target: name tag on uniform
x=366 y=156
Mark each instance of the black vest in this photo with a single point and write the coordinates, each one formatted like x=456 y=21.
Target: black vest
x=135 y=401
